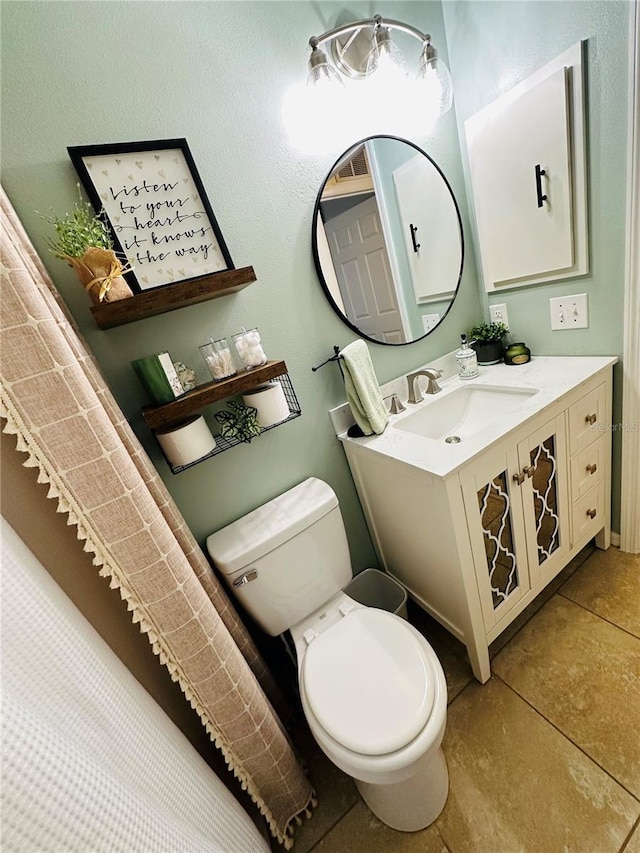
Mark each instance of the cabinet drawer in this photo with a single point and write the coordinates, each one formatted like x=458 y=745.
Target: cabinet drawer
x=588 y=513
x=587 y=468
x=586 y=419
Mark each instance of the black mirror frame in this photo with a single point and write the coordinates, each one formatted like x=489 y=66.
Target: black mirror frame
x=316 y=256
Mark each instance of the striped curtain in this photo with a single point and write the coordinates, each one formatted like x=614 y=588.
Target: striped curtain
x=57 y=404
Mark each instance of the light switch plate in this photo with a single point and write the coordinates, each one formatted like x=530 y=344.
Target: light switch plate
x=498 y=313
x=569 y=312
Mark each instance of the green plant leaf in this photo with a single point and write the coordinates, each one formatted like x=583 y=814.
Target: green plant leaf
x=487 y=332
x=78 y=231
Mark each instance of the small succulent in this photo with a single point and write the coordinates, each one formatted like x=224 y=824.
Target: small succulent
x=78 y=231
x=487 y=332
x=241 y=422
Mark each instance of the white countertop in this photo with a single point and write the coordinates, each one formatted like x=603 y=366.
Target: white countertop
x=553 y=376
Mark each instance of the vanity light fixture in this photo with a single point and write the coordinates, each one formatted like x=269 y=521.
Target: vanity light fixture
x=364 y=49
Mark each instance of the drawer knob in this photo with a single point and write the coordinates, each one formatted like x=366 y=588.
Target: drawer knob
x=592 y=513
x=591 y=419
x=591 y=469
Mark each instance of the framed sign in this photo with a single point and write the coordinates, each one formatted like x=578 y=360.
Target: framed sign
x=156 y=207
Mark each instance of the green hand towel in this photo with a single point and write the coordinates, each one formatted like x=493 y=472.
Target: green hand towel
x=363 y=392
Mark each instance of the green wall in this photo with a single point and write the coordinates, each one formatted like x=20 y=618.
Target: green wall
x=216 y=73
x=492 y=47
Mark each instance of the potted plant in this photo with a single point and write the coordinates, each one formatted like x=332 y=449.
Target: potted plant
x=83 y=241
x=486 y=340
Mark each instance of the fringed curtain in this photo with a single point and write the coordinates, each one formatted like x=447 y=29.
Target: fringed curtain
x=56 y=402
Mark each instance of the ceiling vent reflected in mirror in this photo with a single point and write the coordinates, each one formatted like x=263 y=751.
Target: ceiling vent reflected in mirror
x=356 y=166
x=354 y=176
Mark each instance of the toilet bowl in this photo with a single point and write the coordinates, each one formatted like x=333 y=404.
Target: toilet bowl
x=371 y=687
x=380 y=721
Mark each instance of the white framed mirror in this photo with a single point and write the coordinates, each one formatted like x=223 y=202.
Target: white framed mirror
x=387 y=240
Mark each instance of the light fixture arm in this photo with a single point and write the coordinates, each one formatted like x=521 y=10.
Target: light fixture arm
x=375 y=23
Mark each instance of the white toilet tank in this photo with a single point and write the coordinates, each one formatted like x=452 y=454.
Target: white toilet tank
x=287 y=558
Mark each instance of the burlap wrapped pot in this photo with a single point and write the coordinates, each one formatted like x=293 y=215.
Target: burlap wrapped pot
x=100 y=272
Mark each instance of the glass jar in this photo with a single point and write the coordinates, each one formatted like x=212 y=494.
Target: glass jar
x=218 y=358
x=249 y=348
x=517 y=353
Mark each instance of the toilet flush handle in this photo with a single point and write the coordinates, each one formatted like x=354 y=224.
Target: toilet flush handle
x=245 y=578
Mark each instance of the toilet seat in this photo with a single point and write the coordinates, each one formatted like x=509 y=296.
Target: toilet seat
x=369 y=682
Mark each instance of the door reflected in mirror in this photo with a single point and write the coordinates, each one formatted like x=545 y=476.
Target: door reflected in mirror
x=387 y=240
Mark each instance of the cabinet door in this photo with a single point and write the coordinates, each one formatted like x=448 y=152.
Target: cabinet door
x=544 y=464
x=493 y=506
x=522 y=235
x=528 y=176
x=431 y=230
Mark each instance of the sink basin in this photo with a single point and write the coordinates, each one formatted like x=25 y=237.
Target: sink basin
x=463 y=412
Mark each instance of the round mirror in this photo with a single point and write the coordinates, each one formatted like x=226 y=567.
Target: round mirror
x=387 y=241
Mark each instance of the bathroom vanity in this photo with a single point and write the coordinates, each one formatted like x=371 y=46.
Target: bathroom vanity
x=480 y=494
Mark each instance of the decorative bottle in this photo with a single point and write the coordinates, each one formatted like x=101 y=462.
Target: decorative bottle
x=467 y=360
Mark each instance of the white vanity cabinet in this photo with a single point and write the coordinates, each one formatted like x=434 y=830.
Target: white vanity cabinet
x=475 y=544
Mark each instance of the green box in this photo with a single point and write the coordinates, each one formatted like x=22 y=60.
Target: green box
x=159 y=377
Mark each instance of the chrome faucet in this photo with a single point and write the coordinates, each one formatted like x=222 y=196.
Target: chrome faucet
x=432 y=388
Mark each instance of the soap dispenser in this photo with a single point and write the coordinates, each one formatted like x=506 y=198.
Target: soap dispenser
x=467 y=360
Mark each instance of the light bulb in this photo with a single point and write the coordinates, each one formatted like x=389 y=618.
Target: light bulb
x=385 y=59
x=321 y=74
x=437 y=80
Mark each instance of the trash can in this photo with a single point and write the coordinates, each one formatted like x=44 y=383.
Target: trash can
x=374 y=588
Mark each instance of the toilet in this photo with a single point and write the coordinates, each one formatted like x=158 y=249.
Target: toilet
x=371 y=687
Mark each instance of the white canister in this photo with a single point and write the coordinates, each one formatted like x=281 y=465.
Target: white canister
x=187 y=441
x=270 y=402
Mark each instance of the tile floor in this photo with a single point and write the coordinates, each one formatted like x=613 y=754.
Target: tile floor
x=545 y=757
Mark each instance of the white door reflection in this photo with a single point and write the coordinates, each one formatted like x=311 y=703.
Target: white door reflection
x=388 y=240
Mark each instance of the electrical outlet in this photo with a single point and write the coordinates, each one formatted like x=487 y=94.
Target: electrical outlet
x=498 y=313
x=430 y=321
x=569 y=312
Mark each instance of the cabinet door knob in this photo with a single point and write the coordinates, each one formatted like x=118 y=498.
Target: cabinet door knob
x=591 y=469
x=529 y=470
x=519 y=478
x=591 y=419
x=592 y=513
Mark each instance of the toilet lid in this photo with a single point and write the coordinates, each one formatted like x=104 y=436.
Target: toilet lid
x=369 y=682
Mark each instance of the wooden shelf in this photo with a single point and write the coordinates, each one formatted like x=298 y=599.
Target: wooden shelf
x=168 y=413
x=171 y=297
